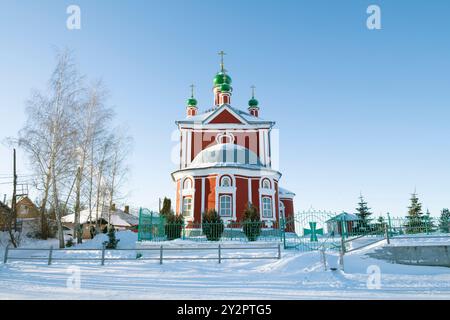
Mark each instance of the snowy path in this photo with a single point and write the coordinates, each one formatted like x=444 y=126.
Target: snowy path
x=295 y=276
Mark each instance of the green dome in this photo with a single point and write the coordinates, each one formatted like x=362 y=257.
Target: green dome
x=225 y=87
x=253 y=102
x=222 y=78
x=192 y=102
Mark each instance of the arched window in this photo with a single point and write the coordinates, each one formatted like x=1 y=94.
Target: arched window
x=187 y=184
x=267 y=207
x=225 y=206
x=187 y=206
x=225 y=182
x=266 y=184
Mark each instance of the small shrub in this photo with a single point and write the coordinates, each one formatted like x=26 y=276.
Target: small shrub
x=112 y=241
x=252 y=223
x=174 y=226
x=212 y=225
x=70 y=243
x=138 y=255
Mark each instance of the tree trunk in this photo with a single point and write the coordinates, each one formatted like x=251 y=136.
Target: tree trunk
x=77 y=233
x=44 y=222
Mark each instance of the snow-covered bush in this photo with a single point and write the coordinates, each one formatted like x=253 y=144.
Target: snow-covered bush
x=174 y=226
x=252 y=223
x=212 y=225
x=112 y=241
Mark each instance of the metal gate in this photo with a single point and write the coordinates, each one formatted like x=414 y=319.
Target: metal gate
x=313 y=231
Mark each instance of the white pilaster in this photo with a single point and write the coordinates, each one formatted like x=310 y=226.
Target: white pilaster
x=189 y=147
x=250 y=190
x=203 y=196
x=262 y=156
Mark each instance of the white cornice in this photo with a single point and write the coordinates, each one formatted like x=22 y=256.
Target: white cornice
x=233 y=170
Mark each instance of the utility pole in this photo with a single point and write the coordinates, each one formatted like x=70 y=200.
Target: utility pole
x=13 y=202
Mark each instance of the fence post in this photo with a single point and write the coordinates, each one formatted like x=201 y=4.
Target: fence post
x=341 y=260
x=220 y=255
x=389 y=223
x=50 y=253
x=103 y=254
x=343 y=228
x=5 y=259
x=324 y=259
x=342 y=245
x=161 y=255
x=279 y=251
x=387 y=234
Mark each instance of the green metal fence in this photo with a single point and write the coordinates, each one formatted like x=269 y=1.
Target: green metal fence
x=152 y=227
x=320 y=230
x=306 y=231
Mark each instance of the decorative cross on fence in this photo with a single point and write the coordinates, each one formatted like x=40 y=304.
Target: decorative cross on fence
x=313 y=231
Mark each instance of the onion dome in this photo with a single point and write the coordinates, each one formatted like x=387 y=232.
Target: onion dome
x=253 y=103
x=191 y=102
x=225 y=87
x=222 y=78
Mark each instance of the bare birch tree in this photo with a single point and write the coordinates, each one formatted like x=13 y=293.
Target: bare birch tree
x=118 y=166
x=49 y=133
x=72 y=145
x=92 y=119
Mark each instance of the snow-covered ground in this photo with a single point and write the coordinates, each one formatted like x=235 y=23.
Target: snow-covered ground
x=295 y=276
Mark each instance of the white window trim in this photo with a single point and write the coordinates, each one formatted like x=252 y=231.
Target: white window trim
x=225 y=178
x=191 y=215
x=262 y=208
x=188 y=192
x=231 y=206
x=226 y=190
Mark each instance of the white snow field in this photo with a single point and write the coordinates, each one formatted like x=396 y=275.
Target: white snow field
x=296 y=276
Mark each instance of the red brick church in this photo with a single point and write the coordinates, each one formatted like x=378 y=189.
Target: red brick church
x=225 y=160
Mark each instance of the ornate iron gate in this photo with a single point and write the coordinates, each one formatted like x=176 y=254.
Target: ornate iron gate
x=313 y=231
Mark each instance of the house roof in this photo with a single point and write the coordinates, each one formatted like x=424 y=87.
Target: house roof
x=285 y=192
x=203 y=118
x=345 y=216
x=4 y=208
x=117 y=218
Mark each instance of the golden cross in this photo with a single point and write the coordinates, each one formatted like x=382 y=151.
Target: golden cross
x=221 y=54
x=192 y=90
x=253 y=91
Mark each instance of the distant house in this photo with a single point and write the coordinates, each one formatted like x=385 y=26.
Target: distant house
x=4 y=212
x=26 y=212
x=26 y=209
x=120 y=219
x=346 y=221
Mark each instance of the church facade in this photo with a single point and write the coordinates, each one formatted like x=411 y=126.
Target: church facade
x=225 y=161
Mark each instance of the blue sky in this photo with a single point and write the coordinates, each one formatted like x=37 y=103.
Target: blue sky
x=358 y=110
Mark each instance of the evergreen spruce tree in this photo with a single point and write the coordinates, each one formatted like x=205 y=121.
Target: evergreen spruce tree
x=444 y=221
x=112 y=241
x=166 y=208
x=251 y=222
x=415 y=216
x=428 y=222
x=212 y=225
x=173 y=226
x=363 y=212
x=381 y=223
